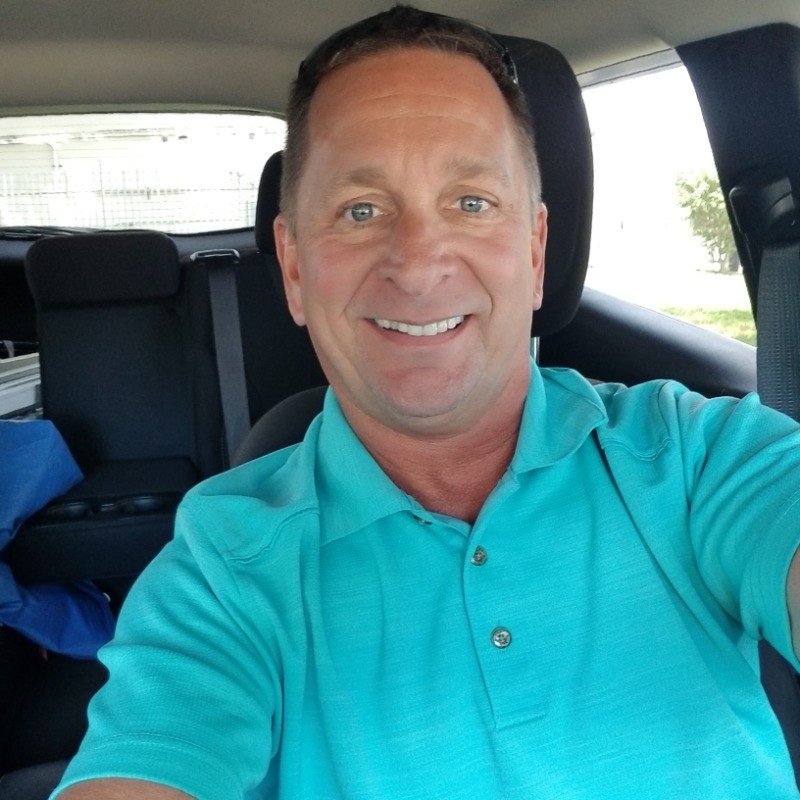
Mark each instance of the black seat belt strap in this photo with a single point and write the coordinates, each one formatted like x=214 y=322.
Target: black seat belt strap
x=764 y=209
x=221 y=266
x=778 y=369
x=778 y=311
x=765 y=212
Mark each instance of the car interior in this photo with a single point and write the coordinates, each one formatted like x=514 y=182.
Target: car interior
x=164 y=358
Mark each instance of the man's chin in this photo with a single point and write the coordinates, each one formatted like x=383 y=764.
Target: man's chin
x=422 y=407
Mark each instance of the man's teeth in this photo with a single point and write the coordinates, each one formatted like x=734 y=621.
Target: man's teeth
x=431 y=329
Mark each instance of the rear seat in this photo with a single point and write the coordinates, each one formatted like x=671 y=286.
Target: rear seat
x=133 y=394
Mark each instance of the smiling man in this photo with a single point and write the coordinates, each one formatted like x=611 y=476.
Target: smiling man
x=414 y=252
x=474 y=578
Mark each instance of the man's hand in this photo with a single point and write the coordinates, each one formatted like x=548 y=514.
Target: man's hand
x=121 y=789
x=793 y=601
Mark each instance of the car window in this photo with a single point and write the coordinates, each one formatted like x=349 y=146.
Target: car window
x=660 y=236
x=177 y=172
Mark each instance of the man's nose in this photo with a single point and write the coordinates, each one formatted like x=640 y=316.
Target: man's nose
x=419 y=252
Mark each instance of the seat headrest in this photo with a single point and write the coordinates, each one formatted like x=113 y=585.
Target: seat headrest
x=564 y=144
x=102 y=268
x=563 y=141
x=268 y=205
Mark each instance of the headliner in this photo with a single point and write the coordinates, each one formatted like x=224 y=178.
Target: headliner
x=243 y=53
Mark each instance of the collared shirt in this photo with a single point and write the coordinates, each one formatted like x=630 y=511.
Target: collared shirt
x=313 y=632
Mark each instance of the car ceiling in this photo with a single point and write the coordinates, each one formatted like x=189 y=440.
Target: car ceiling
x=243 y=53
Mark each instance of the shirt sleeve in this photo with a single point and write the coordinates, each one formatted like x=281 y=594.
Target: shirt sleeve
x=742 y=472
x=191 y=699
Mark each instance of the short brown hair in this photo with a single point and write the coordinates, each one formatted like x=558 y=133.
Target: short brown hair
x=399 y=28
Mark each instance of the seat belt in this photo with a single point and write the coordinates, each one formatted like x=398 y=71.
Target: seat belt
x=221 y=265
x=764 y=210
x=778 y=370
x=778 y=314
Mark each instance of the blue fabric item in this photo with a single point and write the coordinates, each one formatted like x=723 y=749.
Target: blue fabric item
x=35 y=467
x=73 y=619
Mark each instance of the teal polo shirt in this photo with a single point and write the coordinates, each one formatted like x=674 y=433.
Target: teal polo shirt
x=313 y=632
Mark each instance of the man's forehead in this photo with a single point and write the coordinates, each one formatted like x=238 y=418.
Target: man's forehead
x=406 y=83
x=422 y=106
x=443 y=71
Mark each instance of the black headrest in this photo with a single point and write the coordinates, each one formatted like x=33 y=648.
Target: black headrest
x=283 y=425
x=268 y=206
x=564 y=144
x=102 y=268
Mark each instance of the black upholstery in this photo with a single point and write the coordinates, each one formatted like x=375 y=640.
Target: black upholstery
x=32 y=783
x=17 y=312
x=268 y=204
x=116 y=361
x=285 y=424
x=278 y=357
x=126 y=380
x=128 y=390
x=564 y=144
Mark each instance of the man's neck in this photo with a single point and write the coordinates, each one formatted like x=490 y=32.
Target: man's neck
x=452 y=474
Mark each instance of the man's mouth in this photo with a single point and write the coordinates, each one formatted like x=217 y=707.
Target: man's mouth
x=430 y=329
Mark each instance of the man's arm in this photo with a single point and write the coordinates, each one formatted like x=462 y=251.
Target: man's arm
x=793 y=601
x=121 y=789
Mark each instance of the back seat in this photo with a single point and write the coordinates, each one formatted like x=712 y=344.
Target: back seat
x=133 y=394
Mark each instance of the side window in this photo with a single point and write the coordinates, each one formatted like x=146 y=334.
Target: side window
x=660 y=236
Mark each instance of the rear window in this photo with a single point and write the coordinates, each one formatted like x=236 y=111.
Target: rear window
x=175 y=172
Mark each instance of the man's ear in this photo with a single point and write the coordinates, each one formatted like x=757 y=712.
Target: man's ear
x=286 y=248
x=538 y=245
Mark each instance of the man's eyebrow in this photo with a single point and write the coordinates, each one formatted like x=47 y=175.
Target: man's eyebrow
x=360 y=176
x=467 y=168
x=460 y=167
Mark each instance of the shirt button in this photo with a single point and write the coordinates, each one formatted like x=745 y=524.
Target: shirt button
x=501 y=638
x=421 y=521
x=479 y=556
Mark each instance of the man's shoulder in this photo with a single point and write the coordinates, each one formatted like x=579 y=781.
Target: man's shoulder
x=642 y=418
x=619 y=401
x=248 y=508
x=647 y=417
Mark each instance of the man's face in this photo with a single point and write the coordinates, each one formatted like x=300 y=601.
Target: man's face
x=417 y=258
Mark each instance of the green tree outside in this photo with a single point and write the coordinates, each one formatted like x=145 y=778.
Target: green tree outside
x=701 y=197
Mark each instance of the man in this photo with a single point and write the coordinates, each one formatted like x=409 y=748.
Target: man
x=473 y=579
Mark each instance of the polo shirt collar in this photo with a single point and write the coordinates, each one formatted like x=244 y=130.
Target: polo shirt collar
x=353 y=490
x=560 y=411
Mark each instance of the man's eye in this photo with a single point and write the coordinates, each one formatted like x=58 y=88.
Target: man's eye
x=361 y=212
x=472 y=204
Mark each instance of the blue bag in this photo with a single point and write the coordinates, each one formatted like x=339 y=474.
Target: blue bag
x=35 y=467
